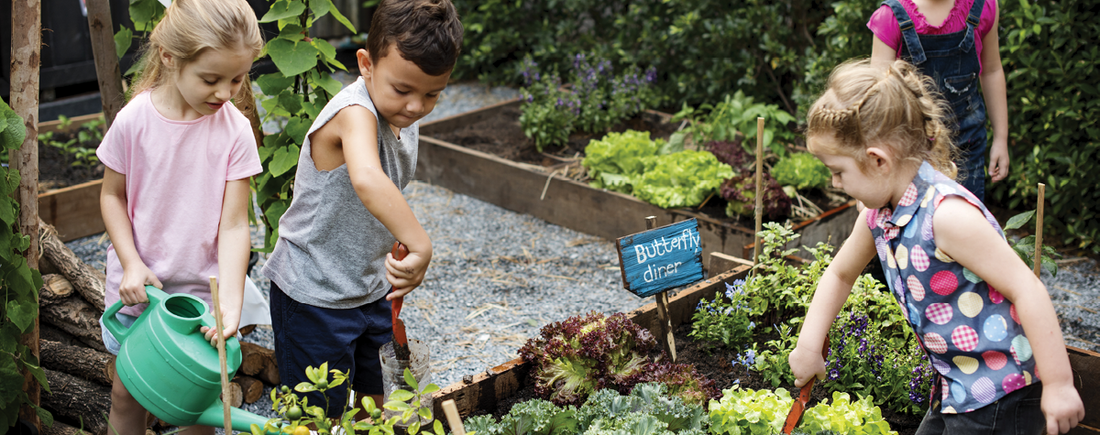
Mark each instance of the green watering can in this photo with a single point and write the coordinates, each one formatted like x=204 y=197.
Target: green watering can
x=170 y=368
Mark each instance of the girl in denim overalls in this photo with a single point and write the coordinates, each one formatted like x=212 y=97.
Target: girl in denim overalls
x=957 y=53
x=985 y=321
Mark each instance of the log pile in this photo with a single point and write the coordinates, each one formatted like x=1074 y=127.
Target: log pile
x=78 y=367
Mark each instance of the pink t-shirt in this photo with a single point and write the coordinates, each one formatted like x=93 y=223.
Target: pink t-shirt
x=175 y=181
x=885 y=26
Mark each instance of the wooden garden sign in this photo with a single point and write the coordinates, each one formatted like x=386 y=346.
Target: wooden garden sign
x=660 y=259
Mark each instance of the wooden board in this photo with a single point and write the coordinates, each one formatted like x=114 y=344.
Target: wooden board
x=74 y=210
x=484 y=390
x=519 y=187
x=1086 y=377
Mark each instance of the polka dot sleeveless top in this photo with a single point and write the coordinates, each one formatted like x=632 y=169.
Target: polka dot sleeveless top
x=970 y=331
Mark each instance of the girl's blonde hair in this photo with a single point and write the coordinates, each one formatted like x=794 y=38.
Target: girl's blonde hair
x=191 y=26
x=895 y=107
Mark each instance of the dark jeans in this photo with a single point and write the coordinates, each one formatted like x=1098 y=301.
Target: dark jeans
x=348 y=339
x=1018 y=413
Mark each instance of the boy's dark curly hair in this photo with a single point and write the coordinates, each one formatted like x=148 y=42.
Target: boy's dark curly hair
x=426 y=32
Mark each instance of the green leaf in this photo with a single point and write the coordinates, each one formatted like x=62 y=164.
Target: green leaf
x=123 y=39
x=274 y=83
x=292 y=58
x=13 y=132
x=328 y=52
x=283 y=160
x=8 y=210
x=290 y=101
x=1018 y=221
x=22 y=313
x=401 y=396
x=329 y=84
x=410 y=380
x=283 y=9
x=341 y=18
x=297 y=128
x=11 y=380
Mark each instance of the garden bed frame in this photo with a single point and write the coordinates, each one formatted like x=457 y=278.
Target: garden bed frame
x=484 y=390
x=524 y=188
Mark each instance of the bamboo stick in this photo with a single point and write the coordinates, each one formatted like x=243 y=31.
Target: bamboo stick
x=663 y=317
x=1038 y=262
x=221 y=353
x=759 y=189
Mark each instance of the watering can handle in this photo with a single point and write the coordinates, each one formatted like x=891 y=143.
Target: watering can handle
x=112 y=323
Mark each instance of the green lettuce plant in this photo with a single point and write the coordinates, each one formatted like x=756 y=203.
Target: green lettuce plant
x=763 y=412
x=617 y=159
x=682 y=179
x=801 y=170
x=19 y=286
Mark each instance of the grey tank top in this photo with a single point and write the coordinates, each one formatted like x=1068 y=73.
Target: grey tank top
x=331 y=251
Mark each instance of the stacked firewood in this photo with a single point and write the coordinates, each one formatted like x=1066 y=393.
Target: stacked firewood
x=78 y=367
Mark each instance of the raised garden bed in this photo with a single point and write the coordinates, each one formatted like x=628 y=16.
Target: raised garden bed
x=494 y=162
x=68 y=196
x=496 y=389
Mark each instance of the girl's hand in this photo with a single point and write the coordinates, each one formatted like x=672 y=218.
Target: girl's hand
x=230 y=321
x=806 y=364
x=134 y=279
x=407 y=274
x=998 y=160
x=1062 y=407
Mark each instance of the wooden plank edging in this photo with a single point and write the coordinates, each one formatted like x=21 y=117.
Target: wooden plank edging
x=74 y=211
x=496 y=383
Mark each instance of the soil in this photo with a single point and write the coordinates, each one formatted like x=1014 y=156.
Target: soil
x=714 y=362
x=58 y=169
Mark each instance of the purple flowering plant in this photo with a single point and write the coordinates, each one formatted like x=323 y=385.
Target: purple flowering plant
x=598 y=99
x=874 y=352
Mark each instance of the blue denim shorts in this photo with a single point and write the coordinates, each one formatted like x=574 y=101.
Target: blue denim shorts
x=109 y=340
x=348 y=339
x=1017 y=413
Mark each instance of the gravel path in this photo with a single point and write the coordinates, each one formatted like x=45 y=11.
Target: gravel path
x=497 y=276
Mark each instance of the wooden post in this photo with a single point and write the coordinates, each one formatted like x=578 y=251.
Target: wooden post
x=759 y=189
x=663 y=319
x=26 y=63
x=1037 y=264
x=106 y=58
x=221 y=353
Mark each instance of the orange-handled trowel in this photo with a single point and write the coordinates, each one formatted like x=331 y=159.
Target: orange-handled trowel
x=803 y=398
x=400 y=341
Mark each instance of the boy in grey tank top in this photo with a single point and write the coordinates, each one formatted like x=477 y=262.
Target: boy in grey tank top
x=331 y=269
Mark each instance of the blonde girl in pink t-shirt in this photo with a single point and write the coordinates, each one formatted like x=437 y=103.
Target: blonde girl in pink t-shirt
x=178 y=158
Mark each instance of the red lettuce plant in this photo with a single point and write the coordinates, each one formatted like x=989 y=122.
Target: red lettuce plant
x=740 y=191
x=579 y=355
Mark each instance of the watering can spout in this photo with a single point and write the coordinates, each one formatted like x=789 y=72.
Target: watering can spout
x=242 y=420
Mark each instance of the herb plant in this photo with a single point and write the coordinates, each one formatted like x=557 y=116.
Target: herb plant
x=1025 y=247
x=19 y=286
x=90 y=133
x=297 y=412
x=736 y=116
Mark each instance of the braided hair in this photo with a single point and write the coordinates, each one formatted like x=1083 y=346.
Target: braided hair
x=896 y=108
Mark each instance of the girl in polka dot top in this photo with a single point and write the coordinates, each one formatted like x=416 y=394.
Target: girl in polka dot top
x=986 y=322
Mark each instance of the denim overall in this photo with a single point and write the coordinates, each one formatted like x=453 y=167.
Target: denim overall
x=952 y=61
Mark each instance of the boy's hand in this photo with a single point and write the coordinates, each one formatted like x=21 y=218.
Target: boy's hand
x=806 y=364
x=230 y=321
x=1062 y=407
x=407 y=274
x=134 y=279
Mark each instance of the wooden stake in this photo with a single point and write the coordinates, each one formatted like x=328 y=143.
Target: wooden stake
x=453 y=419
x=26 y=49
x=1038 y=261
x=221 y=352
x=759 y=189
x=663 y=319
